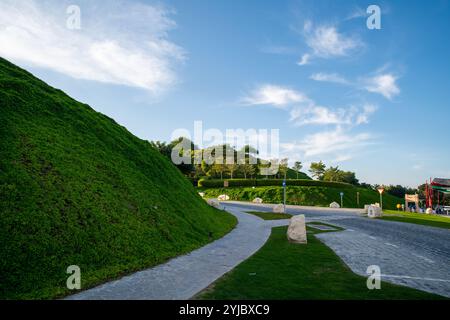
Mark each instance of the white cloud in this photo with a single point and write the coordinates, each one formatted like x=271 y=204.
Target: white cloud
x=305 y=111
x=367 y=110
x=116 y=44
x=357 y=12
x=326 y=42
x=304 y=60
x=318 y=115
x=329 y=77
x=329 y=143
x=277 y=96
x=384 y=84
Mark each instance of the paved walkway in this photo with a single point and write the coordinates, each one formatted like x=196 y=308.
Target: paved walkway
x=184 y=276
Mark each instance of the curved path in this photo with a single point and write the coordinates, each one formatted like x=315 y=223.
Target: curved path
x=184 y=276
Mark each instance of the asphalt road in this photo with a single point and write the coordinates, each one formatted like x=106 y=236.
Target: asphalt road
x=407 y=254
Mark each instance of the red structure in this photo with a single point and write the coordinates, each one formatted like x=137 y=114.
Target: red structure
x=439 y=185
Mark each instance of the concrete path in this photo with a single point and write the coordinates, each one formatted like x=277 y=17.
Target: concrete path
x=184 y=276
x=407 y=254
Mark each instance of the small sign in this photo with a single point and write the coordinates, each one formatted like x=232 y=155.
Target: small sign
x=284 y=183
x=342 y=194
x=225 y=184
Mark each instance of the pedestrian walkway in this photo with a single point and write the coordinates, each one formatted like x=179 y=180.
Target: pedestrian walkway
x=184 y=276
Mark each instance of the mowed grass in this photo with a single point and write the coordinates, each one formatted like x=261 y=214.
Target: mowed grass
x=76 y=188
x=417 y=218
x=306 y=195
x=270 y=215
x=282 y=270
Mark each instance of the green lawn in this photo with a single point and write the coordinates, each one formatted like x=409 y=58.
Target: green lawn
x=417 y=218
x=282 y=270
x=270 y=215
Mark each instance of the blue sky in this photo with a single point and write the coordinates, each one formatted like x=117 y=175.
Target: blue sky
x=371 y=101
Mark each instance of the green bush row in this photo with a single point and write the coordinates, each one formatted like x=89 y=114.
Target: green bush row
x=270 y=182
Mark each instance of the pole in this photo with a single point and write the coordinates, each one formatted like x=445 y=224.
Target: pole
x=381 y=200
x=284 y=196
x=357 y=198
x=342 y=200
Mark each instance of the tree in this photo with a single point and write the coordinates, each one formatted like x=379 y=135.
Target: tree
x=218 y=168
x=317 y=169
x=231 y=168
x=283 y=167
x=332 y=174
x=348 y=177
x=337 y=175
x=205 y=168
x=297 y=167
x=264 y=165
x=166 y=150
x=247 y=169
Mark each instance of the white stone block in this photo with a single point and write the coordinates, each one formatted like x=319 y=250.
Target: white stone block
x=296 y=232
x=334 y=205
x=374 y=212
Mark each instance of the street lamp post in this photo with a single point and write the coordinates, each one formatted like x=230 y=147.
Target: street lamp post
x=381 y=190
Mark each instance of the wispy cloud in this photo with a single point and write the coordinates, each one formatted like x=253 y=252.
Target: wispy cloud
x=319 y=115
x=339 y=144
x=304 y=59
x=335 y=143
x=384 y=84
x=274 y=95
x=139 y=55
x=328 y=77
x=357 y=12
x=327 y=42
x=304 y=110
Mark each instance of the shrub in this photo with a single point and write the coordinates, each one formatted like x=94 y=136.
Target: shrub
x=271 y=182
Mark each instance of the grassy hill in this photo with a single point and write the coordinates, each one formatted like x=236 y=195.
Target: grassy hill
x=76 y=188
x=306 y=195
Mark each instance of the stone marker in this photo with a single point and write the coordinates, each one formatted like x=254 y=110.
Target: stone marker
x=335 y=205
x=223 y=197
x=296 y=232
x=279 y=208
x=257 y=200
x=374 y=212
x=213 y=203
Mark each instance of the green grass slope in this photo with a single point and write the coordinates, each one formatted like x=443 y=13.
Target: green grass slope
x=307 y=196
x=76 y=188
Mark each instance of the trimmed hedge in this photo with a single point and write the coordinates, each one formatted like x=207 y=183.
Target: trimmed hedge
x=306 y=196
x=203 y=183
